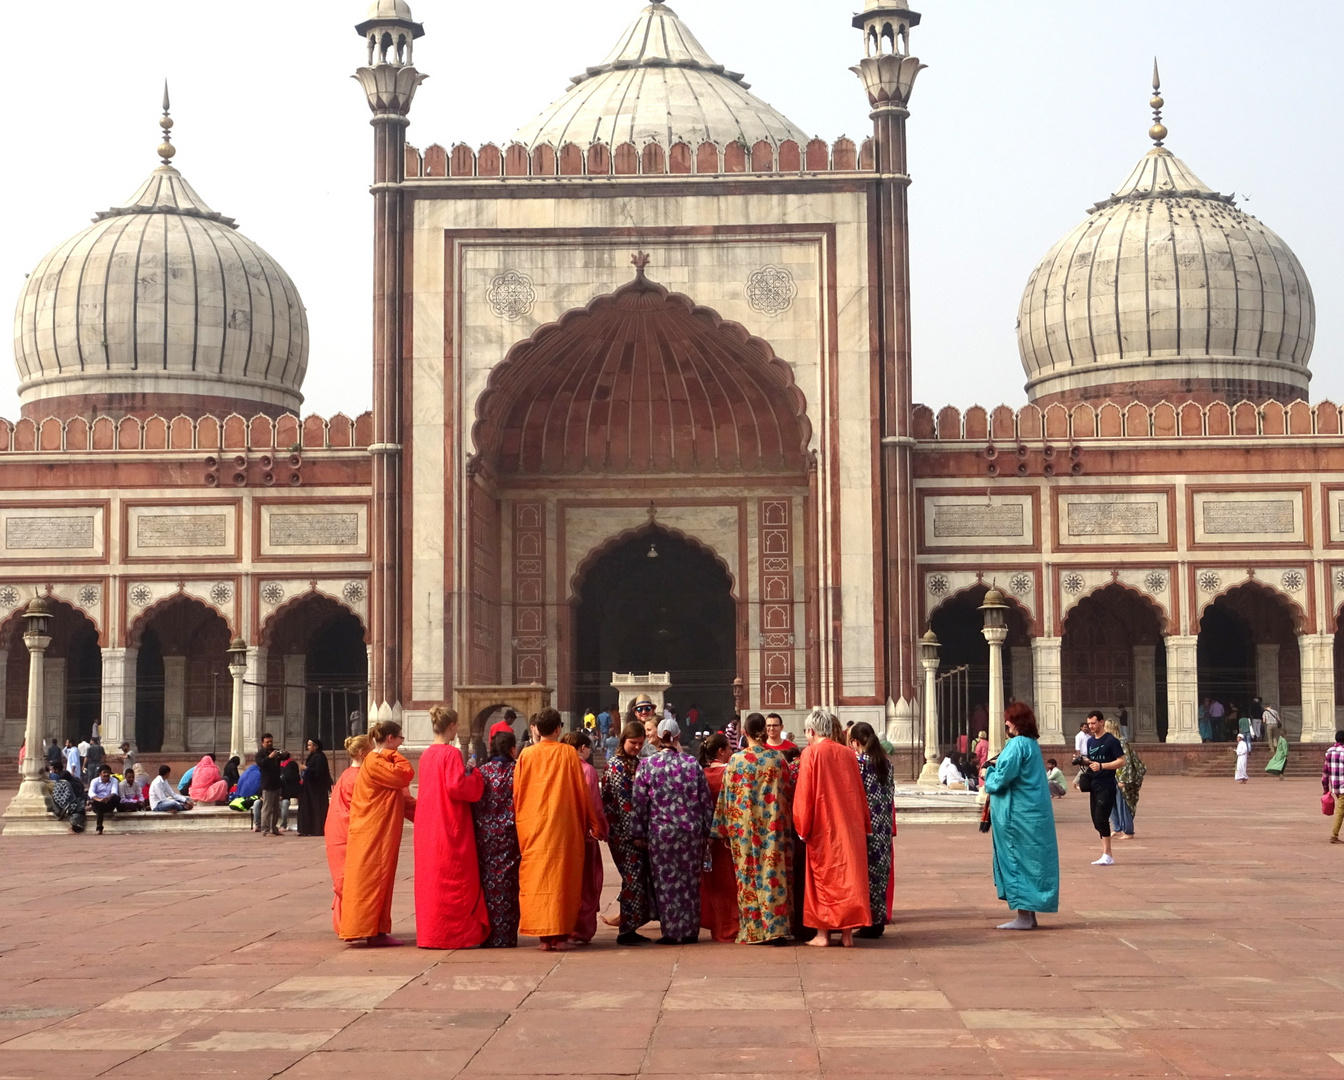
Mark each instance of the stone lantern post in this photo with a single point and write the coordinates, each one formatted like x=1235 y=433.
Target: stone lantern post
x=995 y=631
x=31 y=800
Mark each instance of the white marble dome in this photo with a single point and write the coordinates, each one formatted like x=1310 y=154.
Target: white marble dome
x=1167 y=290
x=160 y=305
x=659 y=83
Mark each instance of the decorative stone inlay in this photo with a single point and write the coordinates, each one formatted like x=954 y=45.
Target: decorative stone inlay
x=88 y=596
x=1269 y=516
x=1291 y=581
x=1156 y=581
x=1209 y=581
x=938 y=584
x=511 y=295
x=1339 y=580
x=272 y=593
x=1072 y=583
x=777 y=641
x=1021 y=584
x=971 y=521
x=9 y=596
x=771 y=290
x=140 y=595
x=314 y=530
x=773 y=565
x=221 y=592
x=182 y=531
x=49 y=533
x=353 y=592
x=1113 y=519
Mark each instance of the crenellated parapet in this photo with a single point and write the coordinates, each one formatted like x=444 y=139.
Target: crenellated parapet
x=1128 y=420
x=649 y=159
x=286 y=434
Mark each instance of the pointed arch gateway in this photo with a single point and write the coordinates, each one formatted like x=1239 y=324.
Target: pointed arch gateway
x=641 y=396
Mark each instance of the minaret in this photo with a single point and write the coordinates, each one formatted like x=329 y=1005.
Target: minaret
x=389 y=80
x=888 y=72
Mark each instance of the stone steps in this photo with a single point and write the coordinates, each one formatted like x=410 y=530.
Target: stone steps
x=201 y=819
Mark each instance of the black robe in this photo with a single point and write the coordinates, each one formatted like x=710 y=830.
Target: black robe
x=315 y=796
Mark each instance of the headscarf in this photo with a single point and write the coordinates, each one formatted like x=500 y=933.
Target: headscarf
x=316 y=769
x=231 y=771
x=203 y=778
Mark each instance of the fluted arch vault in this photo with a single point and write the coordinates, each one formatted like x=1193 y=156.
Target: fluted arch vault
x=642 y=381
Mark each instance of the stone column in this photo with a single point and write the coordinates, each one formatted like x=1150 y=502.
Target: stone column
x=1182 y=688
x=118 y=697
x=1022 y=676
x=53 y=696
x=296 y=675
x=30 y=801
x=174 y=704
x=1048 y=684
x=1143 y=717
x=4 y=690
x=1317 y=652
x=1267 y=674
x=254 y=698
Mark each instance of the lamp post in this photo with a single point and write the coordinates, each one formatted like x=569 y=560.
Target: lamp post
x=237 y=654
x=31 y=798
x=928 y=656
x=995 y=631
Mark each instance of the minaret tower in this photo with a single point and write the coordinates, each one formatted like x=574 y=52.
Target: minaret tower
x=888 y=72
x=389 y=80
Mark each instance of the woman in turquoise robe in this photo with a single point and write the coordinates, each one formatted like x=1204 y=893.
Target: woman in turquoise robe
x=1022 y=820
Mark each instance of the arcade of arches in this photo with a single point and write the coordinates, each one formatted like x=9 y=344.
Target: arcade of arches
x=171 y=685
x=1113 y=653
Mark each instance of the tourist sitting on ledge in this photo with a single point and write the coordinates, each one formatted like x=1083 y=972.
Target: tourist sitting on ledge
x=67 y=797
x=104 y=795
x=132 y=791
x=162 y=797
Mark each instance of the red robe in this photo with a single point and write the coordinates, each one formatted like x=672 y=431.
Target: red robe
x=830 y=812
x=377 y=811
x=449 y=902
x=585 y=923
x=337 y=830
x=718 y=886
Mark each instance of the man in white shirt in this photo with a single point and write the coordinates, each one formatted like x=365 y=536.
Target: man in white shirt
x=72 y=756
x=162 y=797
x=104 y=795
x=1273 y=726
x=1080 y=748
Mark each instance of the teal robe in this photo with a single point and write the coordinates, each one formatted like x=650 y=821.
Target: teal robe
x=1026 y=853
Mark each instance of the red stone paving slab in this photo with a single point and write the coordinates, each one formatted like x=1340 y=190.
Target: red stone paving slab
x=1202 y=953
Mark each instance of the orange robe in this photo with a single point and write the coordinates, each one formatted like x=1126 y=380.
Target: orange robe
x=336 y=833
x=830 y=813
x=554 y=815
x=377 y=810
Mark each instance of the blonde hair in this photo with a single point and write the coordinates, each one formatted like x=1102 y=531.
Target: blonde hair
x=1113 y=727
x=384 y=730
x=358 y=747
x=442 y=718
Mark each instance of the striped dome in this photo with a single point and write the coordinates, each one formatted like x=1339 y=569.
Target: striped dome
x=1167 y=289
x=161 y=301
x=659 y=83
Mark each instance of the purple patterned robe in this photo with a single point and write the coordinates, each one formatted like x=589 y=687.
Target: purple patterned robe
x=673 y=809
x=497 y=851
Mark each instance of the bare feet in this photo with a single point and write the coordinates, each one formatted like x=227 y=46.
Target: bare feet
x=383 y=941
x=847 y=938
x=821 y=941
x=553 y=945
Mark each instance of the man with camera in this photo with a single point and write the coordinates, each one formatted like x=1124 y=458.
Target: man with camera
x=1104 y=757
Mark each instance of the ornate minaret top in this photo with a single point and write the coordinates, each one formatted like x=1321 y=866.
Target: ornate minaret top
x=389 y=78
x=166 y=148
x=888 y=70
x=1158 y=132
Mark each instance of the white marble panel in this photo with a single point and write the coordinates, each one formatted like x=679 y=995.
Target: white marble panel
x=162 y=532
x=56 y=532
x=1248 y=517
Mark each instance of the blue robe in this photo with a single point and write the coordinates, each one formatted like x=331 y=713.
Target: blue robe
x=1026 y=854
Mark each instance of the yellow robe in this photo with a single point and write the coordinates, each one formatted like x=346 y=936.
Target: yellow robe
x=554 y=814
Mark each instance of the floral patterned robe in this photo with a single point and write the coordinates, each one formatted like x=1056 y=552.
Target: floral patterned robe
x=618 y=803
x=881 y=806
x=497 y=851
x=673 y=812
x=753 y=816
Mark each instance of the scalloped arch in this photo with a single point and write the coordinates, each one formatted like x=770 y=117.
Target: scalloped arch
x=597 y=554
x=1295 y=612
x=1013 y=603
x=136 y=628
x=1158 y=610
x=266 y=632
x=642 y=381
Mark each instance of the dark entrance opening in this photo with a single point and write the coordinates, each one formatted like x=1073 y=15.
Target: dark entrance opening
x=657 y=603
x=149 y=693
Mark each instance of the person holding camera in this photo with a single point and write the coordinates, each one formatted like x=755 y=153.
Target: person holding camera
x=1104 y=757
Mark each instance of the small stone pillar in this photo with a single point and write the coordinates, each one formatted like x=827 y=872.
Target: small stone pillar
x=1182 y=688
x=1267 y=674
x=628 y=687
x=1023 y=675
x=1048 y=682
x=119 y=671
x=296 y=701
x=254 y=698
x=174 y=704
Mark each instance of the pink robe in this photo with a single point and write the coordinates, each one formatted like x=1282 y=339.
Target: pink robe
x=450 y=908
x=585 y=926
x=207 y=785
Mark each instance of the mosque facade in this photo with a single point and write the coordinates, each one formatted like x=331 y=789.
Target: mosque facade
x=642 y=402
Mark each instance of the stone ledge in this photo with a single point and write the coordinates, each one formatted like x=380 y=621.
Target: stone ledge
x=201 y=819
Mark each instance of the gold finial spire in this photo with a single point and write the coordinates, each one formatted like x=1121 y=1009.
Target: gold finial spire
x=166 y=148
x=1158 y=131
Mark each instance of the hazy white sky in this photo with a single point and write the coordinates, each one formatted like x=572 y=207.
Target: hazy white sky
x=1029 y=113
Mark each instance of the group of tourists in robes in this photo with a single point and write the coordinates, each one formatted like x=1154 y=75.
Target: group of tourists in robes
x=512 y=847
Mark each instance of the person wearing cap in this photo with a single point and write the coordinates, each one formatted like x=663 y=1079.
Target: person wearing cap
x=645 y=712
x=672 y=816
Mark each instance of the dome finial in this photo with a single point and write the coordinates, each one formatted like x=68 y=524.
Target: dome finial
x=166 y=148
x=1158 y=131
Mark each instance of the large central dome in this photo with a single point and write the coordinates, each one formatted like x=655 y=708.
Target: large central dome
x=659 y=83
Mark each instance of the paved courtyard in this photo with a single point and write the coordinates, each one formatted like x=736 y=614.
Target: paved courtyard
x=1214 y=948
